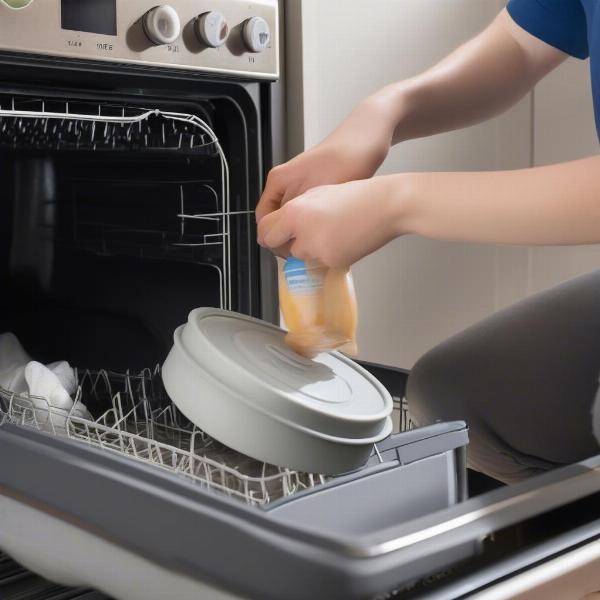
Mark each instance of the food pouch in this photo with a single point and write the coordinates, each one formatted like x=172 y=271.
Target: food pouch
x=319 y=307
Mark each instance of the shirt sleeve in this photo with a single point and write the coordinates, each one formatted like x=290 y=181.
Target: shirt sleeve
x=560 y=23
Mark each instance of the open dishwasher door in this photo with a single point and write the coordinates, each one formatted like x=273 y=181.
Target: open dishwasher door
x=87 y=516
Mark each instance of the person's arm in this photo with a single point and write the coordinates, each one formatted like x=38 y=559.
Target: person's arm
x=479 y=80
x=339 y=224
x=551 y=205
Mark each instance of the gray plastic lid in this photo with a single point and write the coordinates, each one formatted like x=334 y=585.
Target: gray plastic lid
x=330 y=394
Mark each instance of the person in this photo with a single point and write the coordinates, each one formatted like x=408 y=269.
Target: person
x=524 y=379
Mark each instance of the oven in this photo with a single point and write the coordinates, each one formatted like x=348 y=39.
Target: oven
x=134 y=141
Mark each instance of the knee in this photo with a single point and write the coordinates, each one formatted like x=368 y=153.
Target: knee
x=448 y=384
x=436 y=389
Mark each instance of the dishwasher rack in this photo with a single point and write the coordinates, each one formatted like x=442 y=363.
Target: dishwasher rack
x=144 y=425
x=43 y=124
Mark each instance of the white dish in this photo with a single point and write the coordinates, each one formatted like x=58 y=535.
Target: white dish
x=234 y=377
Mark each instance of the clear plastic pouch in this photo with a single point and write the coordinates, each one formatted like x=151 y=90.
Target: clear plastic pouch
x=319 y=307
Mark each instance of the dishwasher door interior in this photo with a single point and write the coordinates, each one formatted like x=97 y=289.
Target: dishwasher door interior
x=86 y=514
x=77 y=514
x=88 y=518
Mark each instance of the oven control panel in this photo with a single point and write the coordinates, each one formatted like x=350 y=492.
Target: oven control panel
x=233 y=37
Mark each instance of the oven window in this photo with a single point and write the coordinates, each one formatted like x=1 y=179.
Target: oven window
x=94 y=16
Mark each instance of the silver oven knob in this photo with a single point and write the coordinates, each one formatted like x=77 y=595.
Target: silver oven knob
x=257 y=34
x=162 y=24
x=212 y=29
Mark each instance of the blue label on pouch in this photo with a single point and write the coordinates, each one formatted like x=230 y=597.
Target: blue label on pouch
x=299 y=278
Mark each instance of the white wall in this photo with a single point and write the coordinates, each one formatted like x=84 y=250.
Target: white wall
x=416 y=292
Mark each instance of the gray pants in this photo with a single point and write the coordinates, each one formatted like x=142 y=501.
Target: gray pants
x=524 y=380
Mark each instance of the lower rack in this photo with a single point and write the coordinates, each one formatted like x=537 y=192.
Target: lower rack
x=143 y=424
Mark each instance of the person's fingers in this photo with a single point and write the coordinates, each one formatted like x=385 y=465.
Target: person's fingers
x=274 y=229
x=291 y=192
x=271 y=198
x=283 y=251
x=298 y=250
x=269 y=202
x=263 y=226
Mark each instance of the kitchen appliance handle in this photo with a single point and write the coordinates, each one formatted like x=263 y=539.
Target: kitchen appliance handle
x=479 y=517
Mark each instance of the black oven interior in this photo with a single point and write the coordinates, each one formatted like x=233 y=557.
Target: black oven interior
x=110 y=234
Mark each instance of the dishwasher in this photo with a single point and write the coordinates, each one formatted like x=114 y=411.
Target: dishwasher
x=134 y=140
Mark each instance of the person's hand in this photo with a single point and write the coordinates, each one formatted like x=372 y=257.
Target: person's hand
x=335 y=225
x=355 y=150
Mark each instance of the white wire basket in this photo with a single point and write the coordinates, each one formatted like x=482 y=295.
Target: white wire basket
x=143 y=424
x=62 y=125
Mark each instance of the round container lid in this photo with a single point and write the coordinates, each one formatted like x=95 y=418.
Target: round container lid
x=330 y=394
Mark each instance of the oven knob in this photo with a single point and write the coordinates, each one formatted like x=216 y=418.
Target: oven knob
x=212 y=29
x=257 y=34
x=162 y=24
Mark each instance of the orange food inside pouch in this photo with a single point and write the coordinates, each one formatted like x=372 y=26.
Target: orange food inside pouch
x=319 y=308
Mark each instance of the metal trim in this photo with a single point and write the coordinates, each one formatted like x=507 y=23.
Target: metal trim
x=260 y=76
x=545 y=498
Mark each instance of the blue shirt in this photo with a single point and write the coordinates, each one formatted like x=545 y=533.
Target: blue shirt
x=572 y=26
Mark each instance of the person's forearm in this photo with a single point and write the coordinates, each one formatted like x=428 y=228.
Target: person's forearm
x=557 y=204
x=477 y=81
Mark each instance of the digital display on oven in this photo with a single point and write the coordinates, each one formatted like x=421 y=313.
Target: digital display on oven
x=94 y=16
